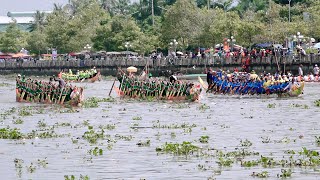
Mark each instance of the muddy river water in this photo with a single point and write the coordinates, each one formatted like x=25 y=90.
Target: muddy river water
x=133 y=130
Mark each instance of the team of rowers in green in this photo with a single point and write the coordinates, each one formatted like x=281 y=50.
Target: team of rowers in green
x=28 y=90
x=133 y=87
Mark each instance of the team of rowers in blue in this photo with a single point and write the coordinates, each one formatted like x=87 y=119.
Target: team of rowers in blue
x=247 y=83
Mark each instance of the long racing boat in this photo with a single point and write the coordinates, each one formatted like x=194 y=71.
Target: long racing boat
x=155 y=89
x=35 y=91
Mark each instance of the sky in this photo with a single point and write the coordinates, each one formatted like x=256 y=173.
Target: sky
x=27 y=5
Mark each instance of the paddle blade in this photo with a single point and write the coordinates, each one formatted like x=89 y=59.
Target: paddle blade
x=205 y=87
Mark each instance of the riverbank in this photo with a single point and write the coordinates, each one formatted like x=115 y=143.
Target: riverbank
x=157 y=70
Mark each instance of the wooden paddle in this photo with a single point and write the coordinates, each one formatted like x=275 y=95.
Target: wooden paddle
x=112 y=86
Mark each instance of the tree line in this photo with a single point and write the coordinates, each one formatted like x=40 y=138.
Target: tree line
x=152 y=24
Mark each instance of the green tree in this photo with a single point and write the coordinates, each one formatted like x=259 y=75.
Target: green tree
x=38 y=22
x=72 y=30
x=13 y=39
x=182 y=21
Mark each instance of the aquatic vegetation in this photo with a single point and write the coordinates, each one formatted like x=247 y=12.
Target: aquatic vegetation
x=126 y=138
x=304 y=106
x=43 y=135
x=96 y=151
x=108 y=126
x=137 y=118
x=17 y=121
x=173 y=126
x=249 y=163
x=266 y=139
x=271 y=105
x=317 y=140
x=32 y=168
x=173 y=135
x=185 y=148
x=146 y=143
x=25 y=111
x=93 y=102
x=263 y=174
x=317 y=103
x=8 y=112
x=226 y=162
x=245 y=143
x=285 y=173
x=92 y=136
x=72 y=177
x=41 y=124
x=42 y=162
x=7 y=133
x=64 y=124
x=204 y=139
x=203 y=107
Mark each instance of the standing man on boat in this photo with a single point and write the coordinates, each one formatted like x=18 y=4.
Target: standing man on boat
x=62 y=83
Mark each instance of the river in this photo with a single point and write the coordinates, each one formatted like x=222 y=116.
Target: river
x=134 y=129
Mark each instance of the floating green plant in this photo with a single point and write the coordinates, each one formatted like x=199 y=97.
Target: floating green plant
x=17 y=121
x=25 y=111
x=126 y=138
x=304 y=106
x=185 y=148
x=225 y=161
x=93 y=102
x=92 y=136
x=317 y=103
x=96 y=151
x=285 y=173
x=108 y=126
x=249 y=163
x=317 y=140
x=41 y=124
x=32 y=168
x=245 y=143
x=263 y=174
x=72 y=177
x=7 y=133
x=146 y=143
x=204 y=139
x=203 y=107
x=174 y=126
x=271 y=105
x=137 y=118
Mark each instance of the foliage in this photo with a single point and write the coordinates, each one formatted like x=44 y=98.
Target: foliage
x=13 y=39
x=317 y=102
x=185 y=148
x=7 y=133
x=204 y=139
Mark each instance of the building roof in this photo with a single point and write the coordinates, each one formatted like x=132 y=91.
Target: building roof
x=26 y=13
x=20 y=20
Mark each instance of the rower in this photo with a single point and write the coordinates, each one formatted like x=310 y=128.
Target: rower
x=173 y=78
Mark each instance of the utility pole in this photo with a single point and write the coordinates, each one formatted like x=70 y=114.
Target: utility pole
x=152 y=12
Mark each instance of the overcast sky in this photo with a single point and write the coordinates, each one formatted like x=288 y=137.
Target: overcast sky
x=27 y=5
